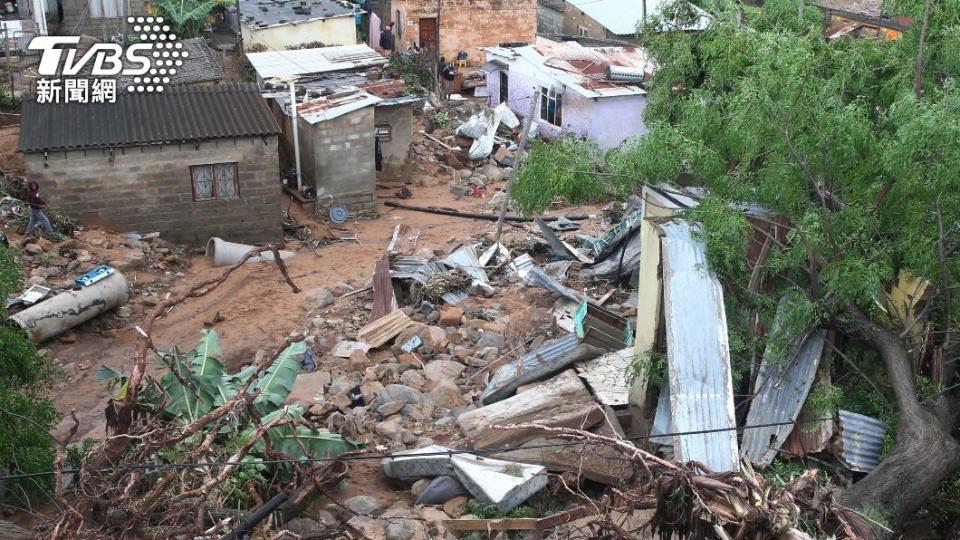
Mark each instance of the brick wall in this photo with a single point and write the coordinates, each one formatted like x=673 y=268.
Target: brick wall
x=468 y=25
x=549 y=20
x=149 y=188
x=337 y=156
x=400 y=120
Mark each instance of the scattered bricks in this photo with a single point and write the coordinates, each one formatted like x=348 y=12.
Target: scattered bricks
x=358 y=361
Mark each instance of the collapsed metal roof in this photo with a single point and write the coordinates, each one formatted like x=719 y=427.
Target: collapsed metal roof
x=782 y=387
x=862 y=439
x=582 y=69
x=698 y=352
x=178 y=114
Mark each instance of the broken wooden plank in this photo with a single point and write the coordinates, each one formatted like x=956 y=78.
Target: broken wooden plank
x=384 y=300
x=518 y=524
x=562 y=401
x=384 y=329
x=595 y=462
x=404 y=240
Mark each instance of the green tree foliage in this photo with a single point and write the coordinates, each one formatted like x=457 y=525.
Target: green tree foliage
x=187 y=18
x=563 y=169
x=25 y=414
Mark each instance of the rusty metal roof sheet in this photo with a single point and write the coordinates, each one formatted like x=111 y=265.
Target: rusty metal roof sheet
x=327 y=108
x=178 y=114
x=782 y=388
x=862 y=441
x=582 y=69
x=698 y=352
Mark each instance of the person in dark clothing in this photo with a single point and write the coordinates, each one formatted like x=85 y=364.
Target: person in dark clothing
x=448 y=75
x=386 y=37
x=441 y=65
x=37 y=215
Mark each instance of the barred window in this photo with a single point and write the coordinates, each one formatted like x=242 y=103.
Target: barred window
x=215 y=181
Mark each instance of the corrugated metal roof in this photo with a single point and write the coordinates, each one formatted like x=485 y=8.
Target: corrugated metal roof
x=178 y=114
x=622 y=17
x=661 y=418
x=323 y=109
x=698 y=353
x=782 y=388
x=265 y=13
x=531 y=367
x=300 y=62
x=582 y=69
x=862 y=439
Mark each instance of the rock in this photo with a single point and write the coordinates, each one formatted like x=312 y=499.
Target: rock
x=390 y=373
x=450 y=316
x=125 y=312
x=322 y=409
x=44 y=244
x=371 y=529
x=399 y=392
x=492 y=172
x=365 y=504
x=325 y=518
x=33 y=249
x=37 y=280
x=68 y=338
x=426 y=308
x=446 y=395
x=83 y=255
x=344 y=383
x=443 y=370
x=318 y=298
x=390 y=429
x=341 y=288
x=465 y=173
x=302 y=526
x=458 y=191
x=492 y=339
x=307 y=386
x=418 y=487
x=414 y=378
x=436 y=337
x=391 y=408
x=432 y=317
x=358 y=361
x=488 y=354
x=401 y=530
x=133 y=261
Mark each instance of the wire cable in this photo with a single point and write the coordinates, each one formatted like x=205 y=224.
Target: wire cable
x=362 y=457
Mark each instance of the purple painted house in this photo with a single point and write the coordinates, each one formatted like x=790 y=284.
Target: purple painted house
x=594 y=92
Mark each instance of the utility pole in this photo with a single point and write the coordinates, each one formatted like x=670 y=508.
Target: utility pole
x=525 y=126
x=296 y=131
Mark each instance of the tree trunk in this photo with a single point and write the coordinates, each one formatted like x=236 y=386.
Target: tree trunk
x=923 y=454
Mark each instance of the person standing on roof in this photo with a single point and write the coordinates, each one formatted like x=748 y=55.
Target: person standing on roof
x=386 y=37
x=37 y=215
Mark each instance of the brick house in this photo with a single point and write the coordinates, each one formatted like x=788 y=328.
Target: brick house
x=464 y=25
x=615 y=19
x=279 y=24
x=191 y=162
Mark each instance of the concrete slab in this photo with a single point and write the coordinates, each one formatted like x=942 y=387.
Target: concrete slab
x=506 y=484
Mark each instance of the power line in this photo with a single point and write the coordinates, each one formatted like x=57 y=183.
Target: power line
x=361 y=457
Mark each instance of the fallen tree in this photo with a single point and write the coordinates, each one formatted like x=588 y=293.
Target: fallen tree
x=831 y=136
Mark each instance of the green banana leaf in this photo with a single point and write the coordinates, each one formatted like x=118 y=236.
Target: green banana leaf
x=277 y=383
x=190 y=402
x=204 y=359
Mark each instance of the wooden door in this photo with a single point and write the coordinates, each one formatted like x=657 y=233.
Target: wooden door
x=428 y=34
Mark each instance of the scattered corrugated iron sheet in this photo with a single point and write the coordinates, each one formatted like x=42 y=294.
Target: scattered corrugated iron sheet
x=420 y=270
x=521 y=265
x=531 y=367
x=698 y=353
x=466 y=259
x=861 y=439
x=178 y=114
x=327 y=108
x=607 y=376
x=404 y=240
x=782 y=388
x=661 y=419
x=384 y=300
x=384 y=328
x=537 y=277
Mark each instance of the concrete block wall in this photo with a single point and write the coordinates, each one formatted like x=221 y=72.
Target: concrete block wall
x=400 y=120
x=338 y=156
x=150 y=188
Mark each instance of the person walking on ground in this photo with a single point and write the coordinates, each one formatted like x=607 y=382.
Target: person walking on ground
x=37 y=215
x=441 y=65
x=449 y=74
x=386 y=38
